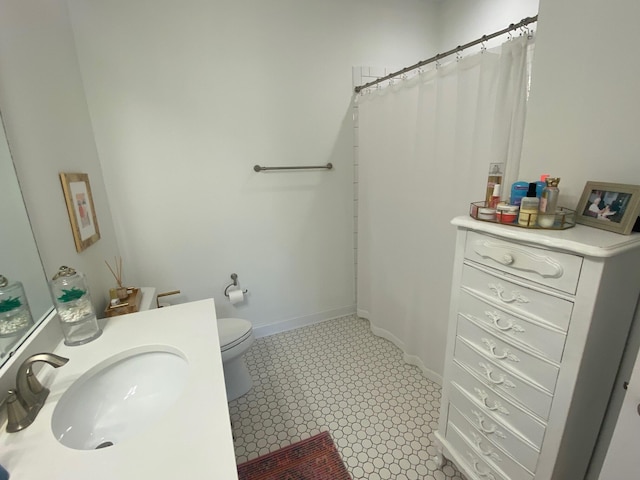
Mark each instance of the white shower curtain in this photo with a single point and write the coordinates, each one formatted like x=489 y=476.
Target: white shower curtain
x=424 y=149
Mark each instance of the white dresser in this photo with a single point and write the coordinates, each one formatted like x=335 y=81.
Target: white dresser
x=538 y=323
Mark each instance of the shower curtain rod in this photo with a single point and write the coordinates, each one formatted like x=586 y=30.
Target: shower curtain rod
x=514 y=26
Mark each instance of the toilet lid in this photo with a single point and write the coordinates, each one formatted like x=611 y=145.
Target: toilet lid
x=233 y=331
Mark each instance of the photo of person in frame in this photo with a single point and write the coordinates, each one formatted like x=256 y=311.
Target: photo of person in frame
x=607 y=206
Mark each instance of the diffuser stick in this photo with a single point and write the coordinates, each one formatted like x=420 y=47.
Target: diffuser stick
x=118 y=273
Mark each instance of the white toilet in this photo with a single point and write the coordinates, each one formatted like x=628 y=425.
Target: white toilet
x=236 y=336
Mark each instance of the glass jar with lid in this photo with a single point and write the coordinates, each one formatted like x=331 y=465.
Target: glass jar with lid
x=73 y=304
x=15 y=315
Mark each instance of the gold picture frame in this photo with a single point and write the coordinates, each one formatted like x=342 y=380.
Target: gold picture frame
x=82 y=213
x=609 y=206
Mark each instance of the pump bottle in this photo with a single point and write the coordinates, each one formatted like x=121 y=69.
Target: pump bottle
x=529 y=207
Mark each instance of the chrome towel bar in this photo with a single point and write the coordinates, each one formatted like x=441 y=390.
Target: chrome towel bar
x=328 y=166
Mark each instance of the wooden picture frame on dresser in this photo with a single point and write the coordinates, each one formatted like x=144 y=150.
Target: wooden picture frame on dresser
x=537 y=326
x=609 y=206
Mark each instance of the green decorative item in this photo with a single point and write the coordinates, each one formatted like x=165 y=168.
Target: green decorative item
x=70 y=295
x=9 y=304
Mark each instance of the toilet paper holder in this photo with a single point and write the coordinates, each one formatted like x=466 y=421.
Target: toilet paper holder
x=234 y=277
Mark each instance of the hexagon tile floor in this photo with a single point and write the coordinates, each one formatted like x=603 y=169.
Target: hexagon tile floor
x=338 y=376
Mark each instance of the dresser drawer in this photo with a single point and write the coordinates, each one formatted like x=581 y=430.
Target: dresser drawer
x=494 y=405
x=470 y=458
x=519 y=449
x=539 y=306
x=554 y=269
x=509 y=356
x=474 y=442
x=547 y=341
x=497 y=378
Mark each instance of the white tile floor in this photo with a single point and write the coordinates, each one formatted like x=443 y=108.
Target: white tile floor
x=338 y=376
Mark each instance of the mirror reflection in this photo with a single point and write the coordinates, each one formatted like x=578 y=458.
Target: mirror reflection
x=19 y=262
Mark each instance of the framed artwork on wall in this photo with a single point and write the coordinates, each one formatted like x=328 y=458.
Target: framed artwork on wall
x=82 y=214
x=609 y=206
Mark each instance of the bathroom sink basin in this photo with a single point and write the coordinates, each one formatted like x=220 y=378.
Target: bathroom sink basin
x=119 y=398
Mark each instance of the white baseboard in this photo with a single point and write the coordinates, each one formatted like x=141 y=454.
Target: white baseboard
x=293 y=323
x=410 y=359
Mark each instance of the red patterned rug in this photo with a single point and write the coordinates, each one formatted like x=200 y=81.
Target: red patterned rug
x=315 y=458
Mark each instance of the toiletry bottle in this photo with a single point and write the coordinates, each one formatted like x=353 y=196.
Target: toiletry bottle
x=518 y=192
x=540 y=184
x=15 y=316
x=529 y=207
x=548 y=203
x=73 y=304
x=495 y=177
x=495 y=197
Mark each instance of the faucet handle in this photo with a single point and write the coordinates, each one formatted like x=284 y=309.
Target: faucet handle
x=17 y=415
x=34 y=384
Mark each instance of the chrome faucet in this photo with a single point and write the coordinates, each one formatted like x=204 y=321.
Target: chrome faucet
x=24 y=403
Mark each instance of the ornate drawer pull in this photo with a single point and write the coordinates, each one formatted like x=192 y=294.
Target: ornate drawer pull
x=489 y=452
x=496 y=407
x=543 y=265
x=488 y=431
x=506 y=355
x=515 y=295
x=501 y=380
x=486 y=474
x=510 y=324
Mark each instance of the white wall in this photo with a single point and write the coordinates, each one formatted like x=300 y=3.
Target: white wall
x=186 y=97
x=462 y=21
x=49 y=131
x=582 y=121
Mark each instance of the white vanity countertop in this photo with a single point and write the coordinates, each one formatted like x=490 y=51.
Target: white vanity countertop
x=192 y=440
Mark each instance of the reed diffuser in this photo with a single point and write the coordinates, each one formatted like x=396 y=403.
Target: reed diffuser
x=120 y=292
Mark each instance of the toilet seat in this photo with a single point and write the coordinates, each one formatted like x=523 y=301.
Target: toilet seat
x=233 y=331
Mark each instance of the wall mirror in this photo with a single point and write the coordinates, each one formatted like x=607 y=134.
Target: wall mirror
x=19 y=257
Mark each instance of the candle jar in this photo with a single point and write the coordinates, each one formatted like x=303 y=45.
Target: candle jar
x=507 y=213
x=73 y=304
x=486 y=213
x=15 y=315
